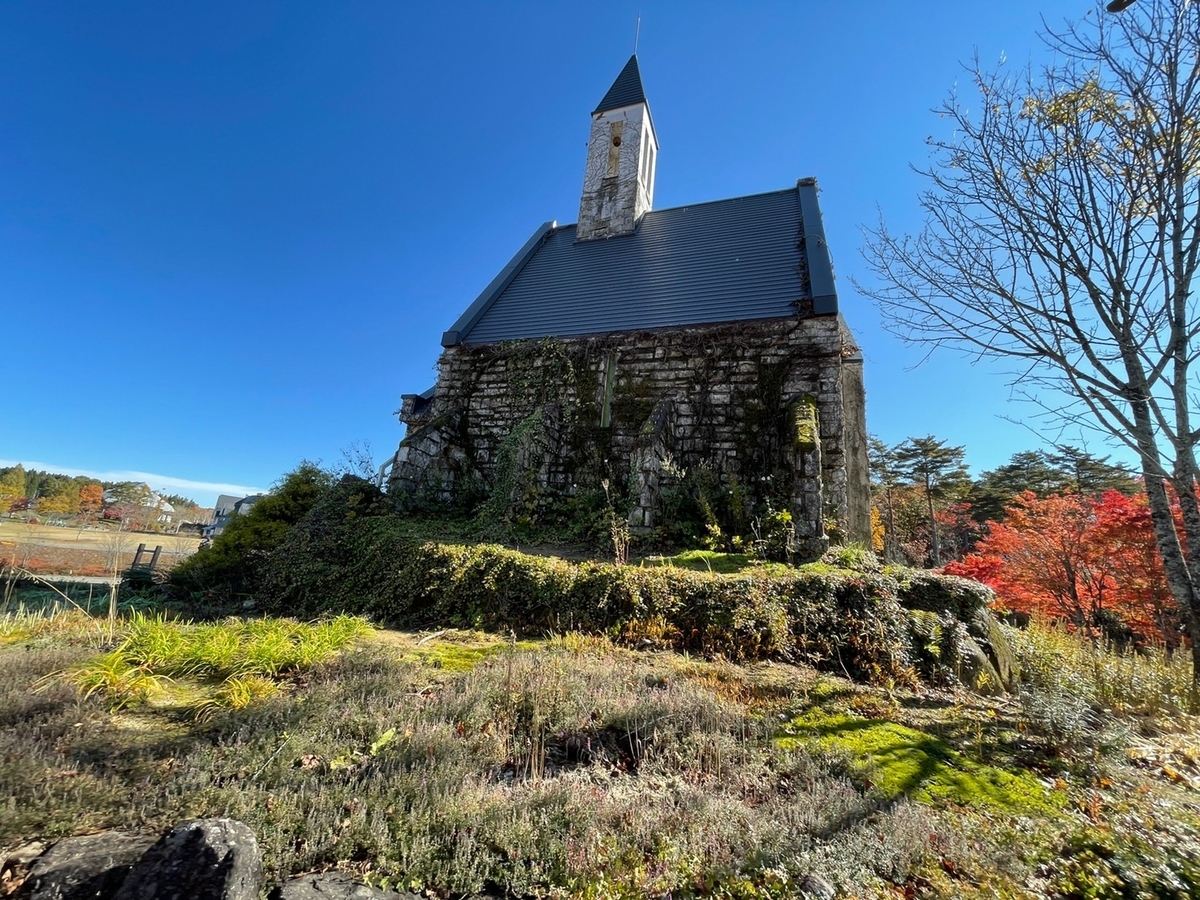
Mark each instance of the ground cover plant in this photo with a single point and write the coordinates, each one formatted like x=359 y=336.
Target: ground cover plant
x=704 y=724
x=454 y=762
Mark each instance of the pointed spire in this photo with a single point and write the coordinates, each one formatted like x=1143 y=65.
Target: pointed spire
x=625 y=91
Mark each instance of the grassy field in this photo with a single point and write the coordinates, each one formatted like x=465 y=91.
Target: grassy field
x=460 y=762
x=48 y=549
x=98 y=538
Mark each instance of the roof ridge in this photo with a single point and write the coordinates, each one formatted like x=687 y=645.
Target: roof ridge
x=656 y=212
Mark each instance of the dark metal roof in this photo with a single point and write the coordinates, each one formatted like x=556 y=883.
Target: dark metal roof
x=625 y=91
x=730 y=260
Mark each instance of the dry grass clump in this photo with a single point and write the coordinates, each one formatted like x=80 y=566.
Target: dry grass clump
x=26 y=624
x=597 y=774
x=45 y=735
x=1076 y=690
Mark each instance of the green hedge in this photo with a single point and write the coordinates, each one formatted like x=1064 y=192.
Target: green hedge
x=929 y=591
x=349 y=555
x=850 y=621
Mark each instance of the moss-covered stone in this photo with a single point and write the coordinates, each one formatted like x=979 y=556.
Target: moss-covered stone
x=806 y=424
x=990 y=636
x=934 y=592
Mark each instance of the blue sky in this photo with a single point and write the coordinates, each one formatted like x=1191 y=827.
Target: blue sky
x=231 y=234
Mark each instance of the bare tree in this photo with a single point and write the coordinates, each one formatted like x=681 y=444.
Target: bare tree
x=885 y=474
x=117 y=546
x=356 y=460
x=1063 y=232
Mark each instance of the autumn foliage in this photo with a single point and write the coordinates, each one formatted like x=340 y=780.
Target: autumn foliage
x=91 y=498
x=1089 y=561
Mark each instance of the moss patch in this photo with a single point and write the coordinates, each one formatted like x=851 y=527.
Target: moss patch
x=806 y=427
x=904 y=762
x=455 y=656
x=714 y=561
x=704 y=561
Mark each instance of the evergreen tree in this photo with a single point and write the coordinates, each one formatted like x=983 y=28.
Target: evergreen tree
x=939 y=469
x=1044 y=473
x=1091 y=475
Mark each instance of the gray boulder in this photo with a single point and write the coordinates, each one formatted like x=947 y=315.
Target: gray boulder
x=206 y=859
x=90 y=867
x=816 y=887
x=975 y=669
x=23 y=855
x=332 y=886
x=990 y=638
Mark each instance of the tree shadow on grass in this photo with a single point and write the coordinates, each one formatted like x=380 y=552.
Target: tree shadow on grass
x=897 y=763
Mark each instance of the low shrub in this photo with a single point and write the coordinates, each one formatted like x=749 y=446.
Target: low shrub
x=934 y=592
x=230 y=568
x=315 y=548
x=1099 y=863
x=851 y=556
x=847 y=621
x=1151 y=681
x=548 y=772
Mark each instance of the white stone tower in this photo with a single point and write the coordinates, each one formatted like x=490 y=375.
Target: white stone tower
x=618 y=180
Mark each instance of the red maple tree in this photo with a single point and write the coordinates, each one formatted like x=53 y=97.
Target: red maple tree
x=1089 y=561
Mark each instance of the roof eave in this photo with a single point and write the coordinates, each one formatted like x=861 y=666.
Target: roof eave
x=816 y=250
x=459 y=330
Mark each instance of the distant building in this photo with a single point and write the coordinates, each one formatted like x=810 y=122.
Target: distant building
x=156 y=508
x=227 y=507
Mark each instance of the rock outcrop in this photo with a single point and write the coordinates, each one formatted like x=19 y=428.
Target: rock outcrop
x=203 y=859
x=333 y=886
x=89 y=867
x=207 y=859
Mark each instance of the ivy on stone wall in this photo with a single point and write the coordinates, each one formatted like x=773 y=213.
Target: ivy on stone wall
x=515 y=493
x=739 y=376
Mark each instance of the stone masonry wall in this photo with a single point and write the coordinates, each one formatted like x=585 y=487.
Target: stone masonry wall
x=727 y=397
x=616 y=192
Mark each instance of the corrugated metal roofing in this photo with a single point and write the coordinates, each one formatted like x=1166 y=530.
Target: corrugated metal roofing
x=625 y=91
x=726 y=261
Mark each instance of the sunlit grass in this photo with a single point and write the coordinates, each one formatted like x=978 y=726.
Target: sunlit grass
x=30 y=623
x=268 y=647
x=118 y=679
x=1147 y=681
x=716 y=562
x=234 y=663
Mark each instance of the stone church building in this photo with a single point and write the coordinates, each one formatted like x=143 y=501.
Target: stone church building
x=643 y=350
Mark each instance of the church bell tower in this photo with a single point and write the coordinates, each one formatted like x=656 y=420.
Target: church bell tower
x=618 y=179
